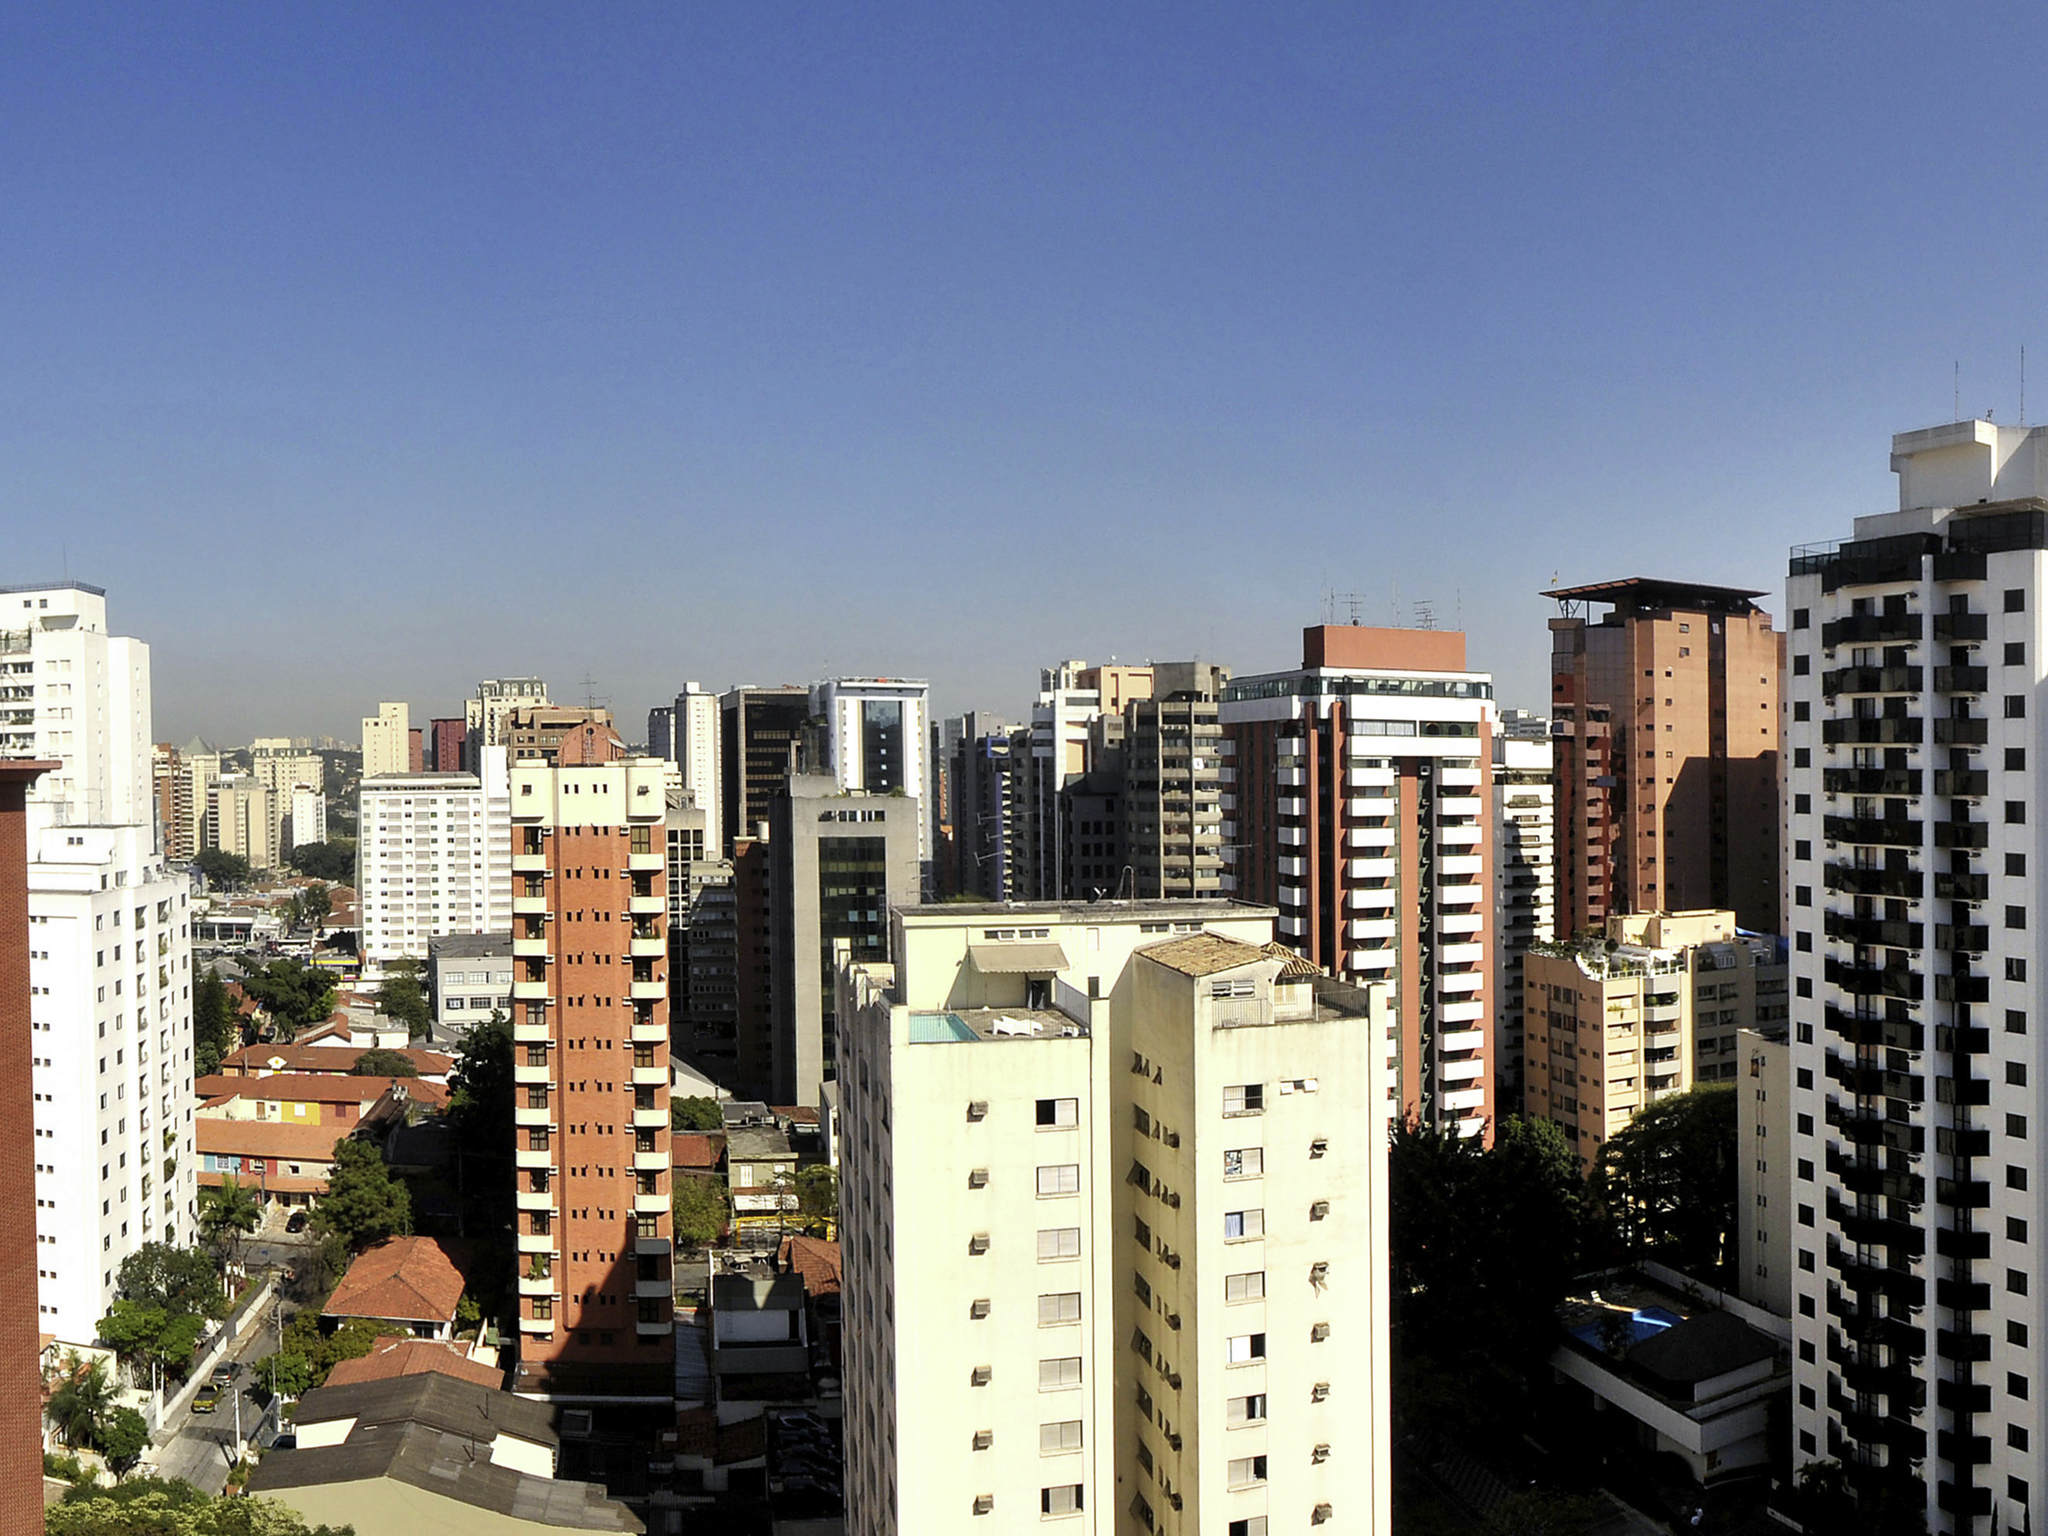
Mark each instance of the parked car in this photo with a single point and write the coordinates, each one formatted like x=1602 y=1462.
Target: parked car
x=296 y=1222
x=223 y=1376
x=206 y=1399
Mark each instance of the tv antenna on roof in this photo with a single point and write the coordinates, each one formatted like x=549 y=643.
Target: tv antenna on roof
x=1425 y=613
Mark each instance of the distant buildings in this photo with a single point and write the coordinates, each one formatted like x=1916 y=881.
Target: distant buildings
x=870 y=734
x=239 y=819
x=387 y=741
x=109 y=955
x=469 y=977
x=1361 y=805
x=432 y=859
x=535 y=732
x=306 y=820
x=1172 y=784
x=686 y=733
x=1687 y=676
x=1524 y=877
x=1114 y=1226
x=448 y=745
x=1650 y=1009
x=484 y=713
x=760 y=730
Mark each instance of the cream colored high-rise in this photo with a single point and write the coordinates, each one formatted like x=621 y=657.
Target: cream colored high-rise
x=1613 y=1025
x=1114 y=1221
x=387 y=740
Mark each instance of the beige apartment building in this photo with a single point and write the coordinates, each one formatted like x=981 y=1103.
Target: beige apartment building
x=240 y=819
x=1120 y=1171
x=1613 y=1024
x=387 y=740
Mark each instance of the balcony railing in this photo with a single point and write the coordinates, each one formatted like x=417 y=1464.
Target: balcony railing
x=1873 y=730
x=1872 y=829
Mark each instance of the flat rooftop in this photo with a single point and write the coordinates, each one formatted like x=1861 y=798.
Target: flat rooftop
x=1648 y=592
x=961 y=1026
x=1185 y=910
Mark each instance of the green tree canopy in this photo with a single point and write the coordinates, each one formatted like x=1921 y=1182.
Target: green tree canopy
x=223 y=871
x=402 y=998
x=1667 y=1182
x=146 y=1333
x=480 y=1084
x=817 y=1193
x=382 y=1063
x=81 y=1401
x=297 y=994
x=306 y=1354
x=180 y=1280
x=701 y=1211
x=316 y=903
x=150 y=1506
x=228 y=1212
x=333 y=860
x=215 y=1033
x=122 y=1438
x=695 y=1113
x=364 y=1204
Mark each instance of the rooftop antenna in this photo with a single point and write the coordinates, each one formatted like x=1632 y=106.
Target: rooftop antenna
x=1425 y=613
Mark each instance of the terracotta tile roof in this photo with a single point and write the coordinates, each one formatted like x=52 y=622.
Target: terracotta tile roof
x=700 y=1150
x=245 y=1005
x=700 y=1435
x=318 y=1088
x=796 y=1114
x=1292 y=965
x=1203 y=954
x=816 y=1260
x=254 y=1060
x=267 y=1138
x=413 y=1357
x=412 y=1279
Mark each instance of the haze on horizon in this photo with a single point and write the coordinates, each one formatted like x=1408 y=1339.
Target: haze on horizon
x=362 y=354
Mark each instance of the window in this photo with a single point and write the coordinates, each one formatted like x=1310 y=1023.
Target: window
x=1801 y=665
x=1059 y=1307
x=2015 y=863
x=2015 y=917
x=2015 y=968
x=1245 y=1347
x=2016 y=1074
x=1058 y=1375
x=1059 y=1179
x=1249 y=1286
x=2015 y=706
x=1802 y=618
x=1243 y=1224
x=2015 y=813
x=1245 y=1099
x=1059 y=1112
x=2015 y=653
x=2016 y=1127
x=1244 y=1163
x=1062 y=1500
x=1245 y=1410
x=2016 y=1281
x=1802 y=896
x=2015 y=1384
x=1059 y=1243
x=2015 y=600
x=1056 y=1439
x=1245 y=1471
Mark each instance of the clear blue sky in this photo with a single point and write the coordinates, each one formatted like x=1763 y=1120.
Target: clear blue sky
x=363 y=351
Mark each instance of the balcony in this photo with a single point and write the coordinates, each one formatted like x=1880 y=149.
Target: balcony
x=527 y=991
x=1875 y=1082
x=1360 y=837
x=535 y=1242
x=646 y=906
x=647 y=1117
x=1871 y=829
x=1875 y=730
x=1293 y=837
x=1964 y=938
x=1460 y=922
x=536 y=1285
x=1459 y=837
x=1370 y=898
x=647 y=946
x=645 y=861
x=649 y=1077
x=648 y=1032
x=533 y=1200
x=1871 y=680
x=526 y=1072
x=1881 y=981
x=1460 y=864
x=659 y=1329
x=523 y=1115
x=650 y=1162
x=1961 y=679
x=529 y=946
x=1862 y=1029
x=651 y=990
x=1962 y=783
x=537 y=1325
x=524 y=1033
x=1873 y=881
x=644 y=1247
x=529 y=863
x=1961 y=731
x=1872 y=930
x=1462 y=1040
x=1297 y=869
x=529 y=906
x=1960 y=626
x=1372 y=928
x=1369 y=778
x=1873 y=1228
x=1460 y=805
x=533 y=1157
x=1962 y=834
x=1962 y=988
x=657 y=1286
x=1461 y=981
x=1871 y=781
x=650 y=1205
x=1867 y=628
x=1291 y=778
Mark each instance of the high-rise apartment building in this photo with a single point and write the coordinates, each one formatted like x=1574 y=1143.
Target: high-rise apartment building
x=387 y=741
x=591 y=1074
x=1915 y=888
x=986 y=819
x=1115 y=1226
x=283 y=771
x=239 y=819
x=1361 y=805
x=1171 y=796
x=703 y=966
x=109 y=937
x=1582 y=779
x=433 y=857
x=171 y=784
x=1689 y=677
x=760 y=731
x=1524 y=878
x=686 y=733
x=306 y=820
x=21 y=1385
x=200 y=765
x=450 y=741
x=484 y=714
x=1764 y=1208
x=838 y=861
x=1651 y=1009
x=536 y=732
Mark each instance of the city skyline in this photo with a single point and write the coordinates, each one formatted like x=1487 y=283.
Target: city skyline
x=907 y=309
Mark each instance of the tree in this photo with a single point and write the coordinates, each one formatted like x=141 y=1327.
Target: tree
x=480 y=1084
x=80 y=1402
x=226 y=1213
x=223 y=871
x=307 y=1355
x=692 y=1113
x=214 y=1031
x=403 y=999
x=701 y=1211
x=123 y=1435
x=297 y=995
x=316 y=904
x=817 y=1195
x=1667 y=1182
x=151 y=1506
x=180 y=1280
x=333 y=860
x=364 y=1204
x=144 y=1334
x=383 y=1063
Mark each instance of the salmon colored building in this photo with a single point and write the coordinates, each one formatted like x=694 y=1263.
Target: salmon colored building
x=1357 y=802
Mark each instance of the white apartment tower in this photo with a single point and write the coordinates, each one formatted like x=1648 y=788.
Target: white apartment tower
x=1114 y=1221
x=1915 y=888
x=307 y=818
x=876 y=736
x=433 y=857
x=109 y=955
x=387 y=740
x=686 y=733
x=1524 y=878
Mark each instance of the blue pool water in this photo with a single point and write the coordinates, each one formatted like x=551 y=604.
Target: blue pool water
x=938 y=1029
x=1642 y=1323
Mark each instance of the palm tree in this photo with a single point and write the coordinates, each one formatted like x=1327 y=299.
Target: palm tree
x=227 y=1213
x=81 y=1401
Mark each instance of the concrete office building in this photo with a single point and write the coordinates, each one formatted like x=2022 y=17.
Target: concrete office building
x=869 y=734
x=387 y=741
x=1652 y=1009
x=986 y=818
x=1361 y=804
x=1915 y=885
x=686 y=733
x=109 y=958
x=1524 y=877
x=433 y=858
x=591 y=1069
x=1688 y=675
x=1114 y=1222
x=838 y=862
x=703 y=966
x=536 y=732
x=1763 y=1169
x=759 y=733
x=484 y=713
x=469 y=977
